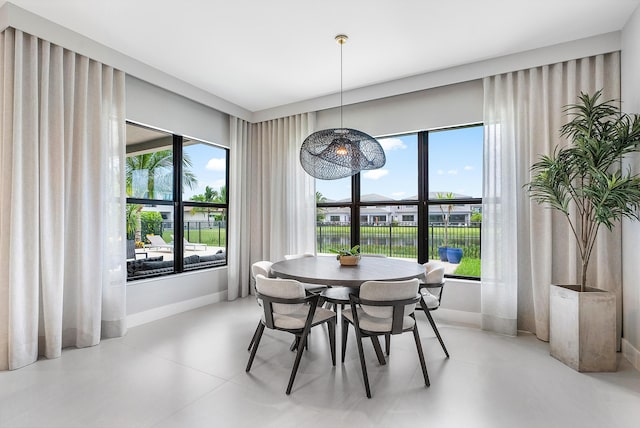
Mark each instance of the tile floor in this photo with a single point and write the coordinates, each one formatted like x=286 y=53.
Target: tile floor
x=188 y=371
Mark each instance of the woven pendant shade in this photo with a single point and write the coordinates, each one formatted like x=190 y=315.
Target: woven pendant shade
x=336 y=153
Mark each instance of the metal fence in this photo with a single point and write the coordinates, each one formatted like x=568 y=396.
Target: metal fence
x=399 y=239
x=212 y=233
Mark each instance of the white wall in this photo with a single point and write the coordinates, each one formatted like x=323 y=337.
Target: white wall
x=451 y=105
x=631 y=230
x=600 y=44
x=155 y=298
x=151 y=299
x=151 y=105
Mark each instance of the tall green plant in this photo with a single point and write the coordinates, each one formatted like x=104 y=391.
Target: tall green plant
x=132 y=220
x=584 y=180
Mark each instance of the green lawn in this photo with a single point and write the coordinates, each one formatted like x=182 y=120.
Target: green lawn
x=468 y=267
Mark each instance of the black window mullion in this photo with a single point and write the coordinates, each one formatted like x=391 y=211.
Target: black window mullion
x=178 y=206
x=355 y=210
x=423 y=197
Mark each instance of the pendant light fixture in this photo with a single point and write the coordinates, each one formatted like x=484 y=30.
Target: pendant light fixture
x=336 y=153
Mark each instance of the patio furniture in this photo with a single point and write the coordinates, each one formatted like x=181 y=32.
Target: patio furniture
x=158 y=243
x=194 y=245
x=286 y=308
x=383 y=307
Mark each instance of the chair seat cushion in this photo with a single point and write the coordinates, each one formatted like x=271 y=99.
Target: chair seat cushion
x=379 y=325
x=431 y=300
x=296 y=320
x=314 y=288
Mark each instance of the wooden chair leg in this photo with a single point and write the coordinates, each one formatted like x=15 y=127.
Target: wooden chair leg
x=378 y=349
x=331 y=325
x=435 y=330
x=259 y=332
x=345 y=333
x=253 y=339
x=387 y=343
x=416 y=336
x=365 y=377
x=296 y=364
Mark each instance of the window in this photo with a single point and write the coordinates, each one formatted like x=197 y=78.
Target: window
x=170 y=231
x=401 y=208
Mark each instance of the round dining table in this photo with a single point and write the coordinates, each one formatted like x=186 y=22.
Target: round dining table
x=328 y=271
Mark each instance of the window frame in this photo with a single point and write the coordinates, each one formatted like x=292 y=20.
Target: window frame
x=177 y=199
x=423 y=203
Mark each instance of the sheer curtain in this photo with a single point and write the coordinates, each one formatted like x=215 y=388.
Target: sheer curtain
x=525 y=246
x=239 y=239
x=275 y=213
x=62 y=276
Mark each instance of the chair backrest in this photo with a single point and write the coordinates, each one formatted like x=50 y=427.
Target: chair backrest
x=282 y=288
x=434 y=273
x=388 y=291
x=297 y=256
x=262 y=267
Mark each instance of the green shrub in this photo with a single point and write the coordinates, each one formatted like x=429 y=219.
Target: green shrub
x=151 y=223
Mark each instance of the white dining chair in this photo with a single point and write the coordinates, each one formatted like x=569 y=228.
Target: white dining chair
x=383 y=307
x=431 y=289
x=263 y=268
x=287 y=307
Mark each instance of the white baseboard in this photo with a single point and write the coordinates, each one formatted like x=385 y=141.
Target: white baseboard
x=174 y=308
x=630 y=353
x=452 y=316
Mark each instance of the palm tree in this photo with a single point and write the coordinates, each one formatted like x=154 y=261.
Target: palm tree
x=159 y=172
x=320 y=198
x=222 y=195
x=210 y=196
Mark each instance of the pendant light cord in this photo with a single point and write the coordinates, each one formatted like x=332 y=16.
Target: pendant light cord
x=341 y=84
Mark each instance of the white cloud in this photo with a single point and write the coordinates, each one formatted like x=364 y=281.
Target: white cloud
x=375 y=174
x=398 y=194
x=216 y=164
x=468 y=168
x=452 y=172
x=440 y=172
x=389 y=144
x=219 y=183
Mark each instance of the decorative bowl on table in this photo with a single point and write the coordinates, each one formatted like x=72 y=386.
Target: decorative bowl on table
x=349 y=260
x=348 y=257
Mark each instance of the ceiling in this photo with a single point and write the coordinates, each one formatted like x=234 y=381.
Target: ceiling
x=262 y=54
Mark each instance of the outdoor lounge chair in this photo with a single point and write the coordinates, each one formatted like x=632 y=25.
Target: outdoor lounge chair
x=194 y=245
x=158 y=242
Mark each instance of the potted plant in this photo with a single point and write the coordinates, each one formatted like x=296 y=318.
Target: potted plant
x=584 y=181
x=446 y=253
x=348 y=257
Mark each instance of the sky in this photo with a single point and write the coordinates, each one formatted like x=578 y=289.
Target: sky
x=455 y=165
x=208 y=164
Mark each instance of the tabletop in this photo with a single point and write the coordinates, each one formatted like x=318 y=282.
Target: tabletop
x=327 y=270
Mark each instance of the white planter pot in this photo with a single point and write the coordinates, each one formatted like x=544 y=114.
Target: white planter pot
x=583 y=328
